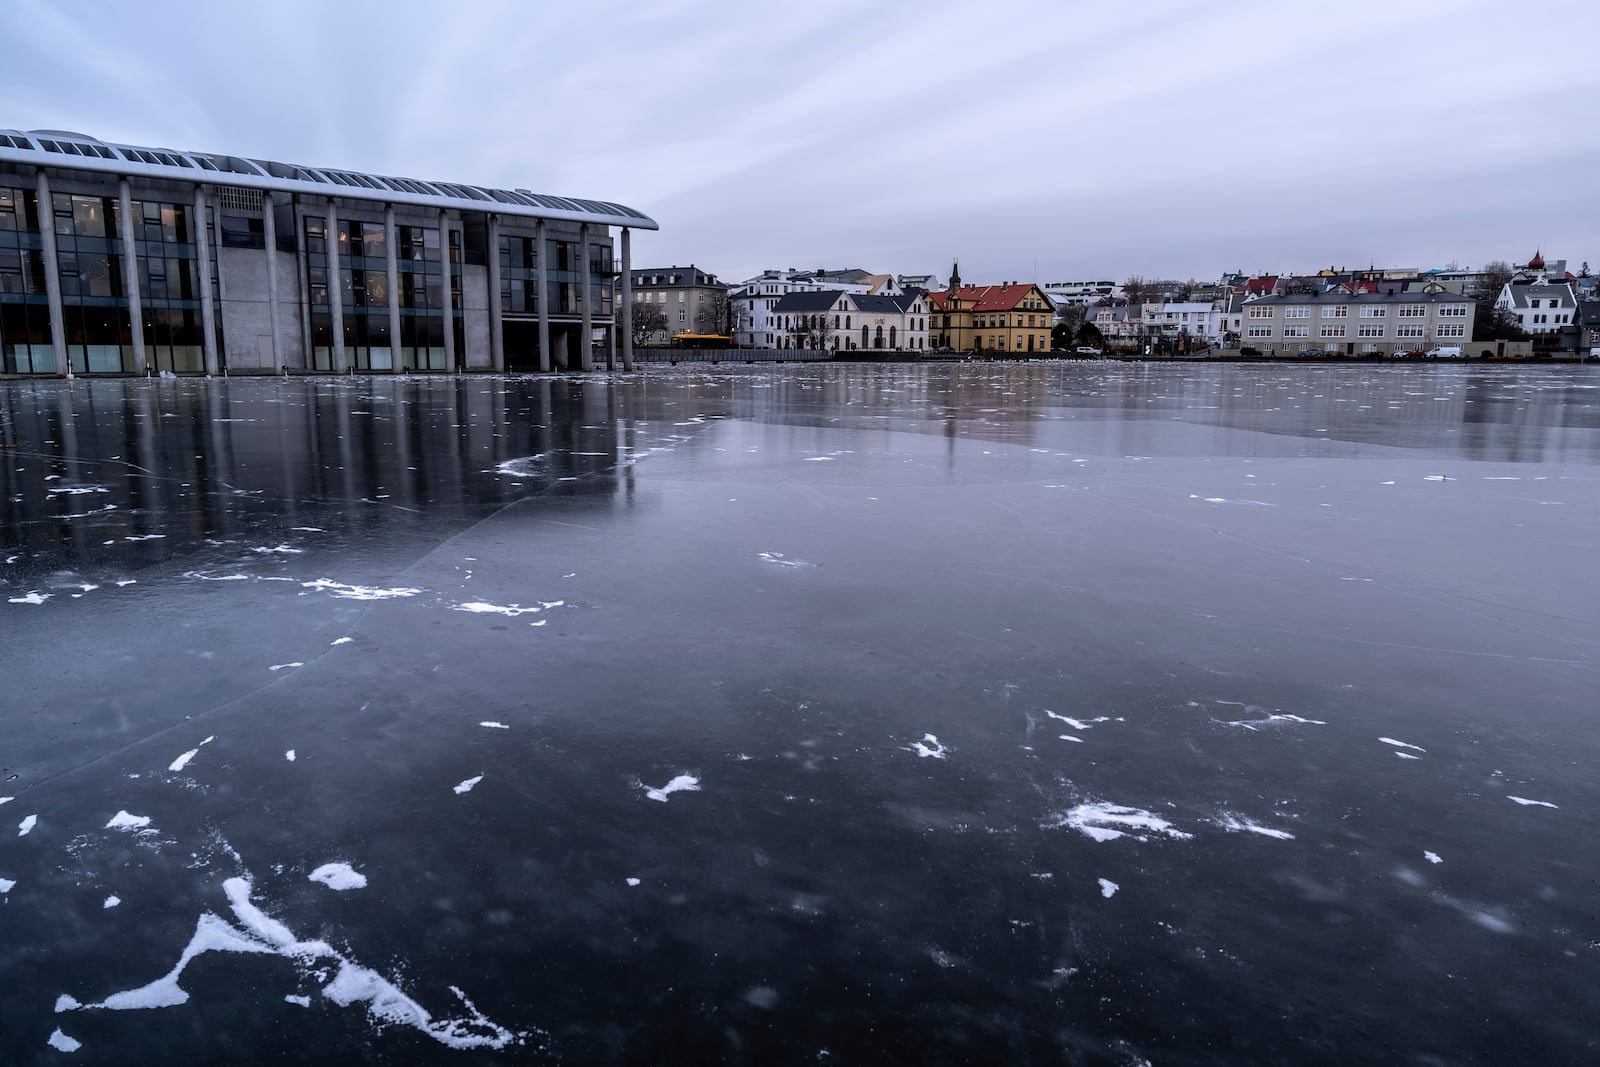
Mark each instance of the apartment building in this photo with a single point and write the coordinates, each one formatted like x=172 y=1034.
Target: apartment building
x=1356 y=324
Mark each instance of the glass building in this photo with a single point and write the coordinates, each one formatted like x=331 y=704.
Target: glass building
x=117 y=259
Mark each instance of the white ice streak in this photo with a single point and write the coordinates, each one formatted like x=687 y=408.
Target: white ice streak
x=123 y=821
x=340 y=641
x=525 y=467
x=1226 y=500
x=1103 y=821
x=6 y=800
x=26 y=825
x=1082 y=724
x=183 y=761
x=466 y=786
x=631 y=881
x=1525 y=802
x=1108 y=888
x=1069 y=737
x=358 y=592
x=338 y=877
x=258 y=932
x=1239 y=824
x=76 y=490
x=6 y=885
x=35 y=597
x=510 y=610
x=284 y=667
x=1269 y=718
x=295 y=998
x=62 y=1043
x=111 y=902
x=1402 y=744
x=781 y=560
x=928 y=747
x=494 y=725
x=1432 y=857
x=279 y=550
x=682 y=783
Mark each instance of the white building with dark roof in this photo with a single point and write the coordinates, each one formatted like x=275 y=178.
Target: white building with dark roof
x=125 y=260
x=1540 y=307
x=1356 y=324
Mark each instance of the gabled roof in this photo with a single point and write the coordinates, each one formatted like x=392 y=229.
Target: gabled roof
x=987 y=297
x=1360 y=298
x=806 y=302
x=1521 y=294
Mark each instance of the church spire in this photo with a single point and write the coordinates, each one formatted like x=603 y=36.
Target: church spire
x=955 y=275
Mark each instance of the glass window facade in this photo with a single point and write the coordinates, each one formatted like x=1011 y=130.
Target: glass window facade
x=363 y=287
x=168 y=266
x=25 y=343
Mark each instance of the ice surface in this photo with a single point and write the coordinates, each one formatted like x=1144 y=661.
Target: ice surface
x=338 y=876
x=123 y=821
x=466 y=786
x=682 y=783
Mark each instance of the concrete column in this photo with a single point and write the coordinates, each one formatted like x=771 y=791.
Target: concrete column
x=627 y=300
x=391 y=244
x=302 y=282
x=497 y=336
x=540 y=277
x=208 y=310
x=52 y=275
x=611 y=346
x=130 y=272
x=449 y=300
x=269 y=226
x=586 y=342
x=335 y=290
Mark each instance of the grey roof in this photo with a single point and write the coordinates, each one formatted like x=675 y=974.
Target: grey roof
x=1358 y=298
x=1521 y=294
x=75 y=151
x=1589 y=312
x=880 y=305
x=801 y=303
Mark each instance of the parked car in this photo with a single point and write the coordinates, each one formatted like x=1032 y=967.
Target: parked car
x=1250 y=353
x=1445 y=352
x=1415 y=353
x=1089 y=350
x=1310 y=352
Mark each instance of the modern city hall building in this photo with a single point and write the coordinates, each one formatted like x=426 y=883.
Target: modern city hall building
x=117 y=259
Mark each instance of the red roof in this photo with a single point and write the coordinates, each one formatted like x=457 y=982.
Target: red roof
x=984 y=297
x=1262 y=286
x=1537 y=262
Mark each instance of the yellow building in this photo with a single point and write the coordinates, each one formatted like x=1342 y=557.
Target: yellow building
x=1012 y=318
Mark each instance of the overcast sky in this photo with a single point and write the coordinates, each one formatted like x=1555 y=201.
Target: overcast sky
x=1045 y=141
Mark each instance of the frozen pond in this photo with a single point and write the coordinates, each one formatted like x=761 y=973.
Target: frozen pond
x=1051 y=713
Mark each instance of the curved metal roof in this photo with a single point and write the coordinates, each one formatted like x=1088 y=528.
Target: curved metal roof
x=76 y=151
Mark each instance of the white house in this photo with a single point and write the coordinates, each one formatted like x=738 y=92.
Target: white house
x=847 y=322
x=1539 y=306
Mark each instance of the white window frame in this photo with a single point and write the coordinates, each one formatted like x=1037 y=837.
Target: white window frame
x=1332 y=329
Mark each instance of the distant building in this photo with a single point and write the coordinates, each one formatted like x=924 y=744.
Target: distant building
x=691 y=300
x=1540 y=307
x=848 y=322
x=1013 y=317
x=1357 y=324
x=119 y=259
x=755 y=301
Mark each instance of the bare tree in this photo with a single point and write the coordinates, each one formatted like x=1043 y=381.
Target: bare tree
x=714 y=315
x=1136 y=289
x=811 y=331
x=648 y=319
x=1490 y=323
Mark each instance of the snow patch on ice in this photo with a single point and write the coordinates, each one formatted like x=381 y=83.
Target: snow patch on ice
x=781 y=560
x=1525 y=802
x=338 y=877
x=340 y=641
x=1402 y=744
x=1108 y=888
x=289 y=755
x=928 y=747
x=1239 y=824
x=1432 y=857
x=480 y=608
x=6 y=885
x=123 y=821
x=67 y=1003
x=26 y=826
x=259 y=933
x=62 y=1043
x=494 y=725
x=1104 y=821
x=183 y=761
x=358 y=592
x=1082 y=724
x=1069 y=737
x=631 y=881
x=35 y=597
x=294 y=998
x=285 y=666
x=1266 y=718
x=680 y=784
x=110 y=902
x=466 y=786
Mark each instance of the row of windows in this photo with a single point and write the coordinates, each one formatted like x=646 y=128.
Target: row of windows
x=1369 y=311
x=1336 y=330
